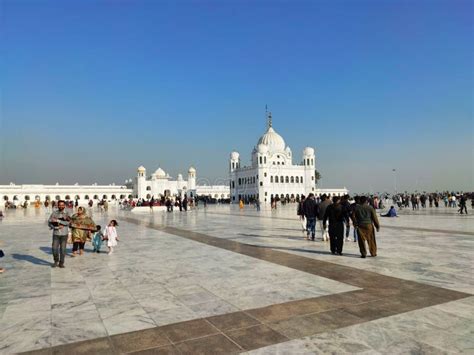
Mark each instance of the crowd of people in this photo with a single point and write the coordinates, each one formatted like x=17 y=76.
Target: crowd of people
x=335 y=215
x=435 y=199
x=78 y=229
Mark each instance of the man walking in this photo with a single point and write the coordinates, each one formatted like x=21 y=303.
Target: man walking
x=59 y=222
x=336 y=213
x=310 y=210
x=346 y=205
x=462 y=204
x=325 y=202
x=364 y=219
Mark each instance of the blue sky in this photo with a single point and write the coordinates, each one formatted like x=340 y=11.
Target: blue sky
x=92 y=89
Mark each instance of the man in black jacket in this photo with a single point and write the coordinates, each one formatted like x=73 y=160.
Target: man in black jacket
x=337 y=216
x=310 y=210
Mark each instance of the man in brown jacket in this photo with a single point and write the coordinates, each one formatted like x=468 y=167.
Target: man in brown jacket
x=365 y=219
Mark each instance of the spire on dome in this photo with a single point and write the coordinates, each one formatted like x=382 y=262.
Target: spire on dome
x=268 y=114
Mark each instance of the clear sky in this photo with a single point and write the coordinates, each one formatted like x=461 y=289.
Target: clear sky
x=90 y=90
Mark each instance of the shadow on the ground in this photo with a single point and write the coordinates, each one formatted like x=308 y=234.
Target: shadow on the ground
x=31 y=259
x=46 y=250
x=322 y=252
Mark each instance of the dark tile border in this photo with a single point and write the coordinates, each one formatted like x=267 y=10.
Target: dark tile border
x=379 y=296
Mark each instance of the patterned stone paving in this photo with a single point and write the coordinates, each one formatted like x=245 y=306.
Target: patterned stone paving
x=222 y=281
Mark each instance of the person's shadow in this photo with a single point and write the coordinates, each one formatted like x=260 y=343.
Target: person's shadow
x=47 y=250
x=31 y=259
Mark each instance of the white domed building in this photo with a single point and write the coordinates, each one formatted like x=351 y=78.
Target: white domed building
x=161 y=184
x=272 y=172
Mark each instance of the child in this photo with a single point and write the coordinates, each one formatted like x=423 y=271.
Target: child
x=111 y=235
x=97 y=239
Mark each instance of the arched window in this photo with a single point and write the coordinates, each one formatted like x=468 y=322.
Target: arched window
x=37 y=198
x=96 y=197
x=301 y=179
x=271 y=178
x=86 y=197
x=5 y=198
x=297 y=180
x=67 y=197
x=312 y=161
x=282 y=179
x=57 y=198
x=104 y=197
x=15 y=198
x=287 y=179
x=292 y=179
x=27 y=198
x=261 y=160
x=276 y=178
x=122 y=197
x=264 y=160
x=47 y=198
x=77 y=197
x=130 y=196
x=148 y=188
x=113 y=197
x=148 y=196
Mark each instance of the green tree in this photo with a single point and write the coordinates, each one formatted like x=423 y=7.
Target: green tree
x=317 y=176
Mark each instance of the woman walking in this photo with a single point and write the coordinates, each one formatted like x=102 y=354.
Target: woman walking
x=82 y=225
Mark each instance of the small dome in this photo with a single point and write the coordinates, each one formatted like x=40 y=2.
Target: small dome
x=308 y=151
x=273 y=140
x=288 y=150
x=262 y=148
x=234 y=156
x=180 y=177
x=141 y=168
x=160 y=173
x=191 y=170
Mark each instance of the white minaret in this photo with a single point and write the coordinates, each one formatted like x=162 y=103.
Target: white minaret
x=191 y=181
x=309 y=166
x=234 y=161
x=141 y=182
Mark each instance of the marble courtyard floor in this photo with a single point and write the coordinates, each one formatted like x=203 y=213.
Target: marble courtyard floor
x=220 y=281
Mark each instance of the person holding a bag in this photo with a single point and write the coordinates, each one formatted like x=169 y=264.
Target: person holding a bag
x=59 y=222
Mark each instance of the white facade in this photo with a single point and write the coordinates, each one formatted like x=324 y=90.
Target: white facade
x=160 y=184
x=83 y=193
x=272 y=172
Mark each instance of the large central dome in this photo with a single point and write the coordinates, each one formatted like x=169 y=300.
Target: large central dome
x=273 y=140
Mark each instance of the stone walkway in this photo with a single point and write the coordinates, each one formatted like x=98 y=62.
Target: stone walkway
x=222 y=280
